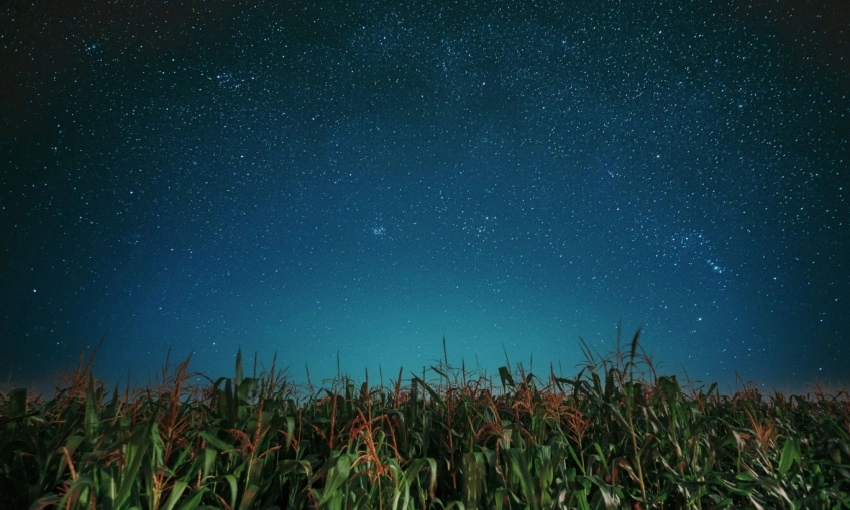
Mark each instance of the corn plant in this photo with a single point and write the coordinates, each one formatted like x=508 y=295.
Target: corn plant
x=615 y=435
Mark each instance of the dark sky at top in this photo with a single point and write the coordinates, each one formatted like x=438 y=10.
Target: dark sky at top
x=354 y=180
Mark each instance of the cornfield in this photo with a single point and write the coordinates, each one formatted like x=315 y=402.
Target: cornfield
x=617 y=435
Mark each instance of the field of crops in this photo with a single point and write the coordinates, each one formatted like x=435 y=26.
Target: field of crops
x=617 y=435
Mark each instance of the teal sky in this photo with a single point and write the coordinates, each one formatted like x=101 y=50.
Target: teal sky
x=348 y=183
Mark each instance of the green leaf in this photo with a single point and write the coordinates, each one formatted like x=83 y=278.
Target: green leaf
x=436 y=398
x=234 y=489
x=79 y=493
x=237 y=381
x=507 y=378
x=744 y=477
x=176 y=491
x=439 y=372
x=248 y=497
x=194 y=500
x=135 y=453
x=209 y=460
x=18 y=402
x=338 y=471
x=216 y=442
x=91 y=420
x=473 y=471
x=790 y=453
x=520 y=468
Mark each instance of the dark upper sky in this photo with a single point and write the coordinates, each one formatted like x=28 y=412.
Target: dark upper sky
x=353 y=180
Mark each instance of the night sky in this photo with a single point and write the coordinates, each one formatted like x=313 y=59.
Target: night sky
x=348 y=182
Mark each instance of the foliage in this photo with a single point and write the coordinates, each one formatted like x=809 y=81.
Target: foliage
x=617 y=435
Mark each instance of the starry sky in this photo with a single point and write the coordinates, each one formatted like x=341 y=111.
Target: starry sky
x=346 y=183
